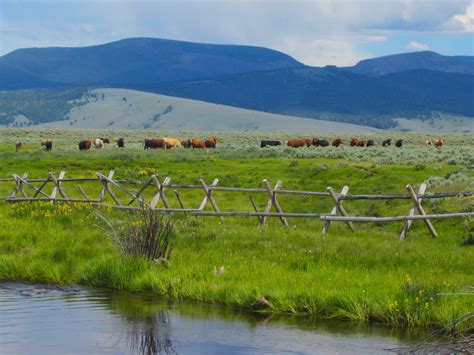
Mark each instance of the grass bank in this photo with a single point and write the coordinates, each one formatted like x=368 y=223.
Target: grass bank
x=367 y=275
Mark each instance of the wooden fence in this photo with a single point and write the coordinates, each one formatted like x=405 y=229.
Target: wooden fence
x=31 y=190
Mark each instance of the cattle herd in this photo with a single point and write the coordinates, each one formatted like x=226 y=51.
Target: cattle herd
x=168 y=143
x=354 y=142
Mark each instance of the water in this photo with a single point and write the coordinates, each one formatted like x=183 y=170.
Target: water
x=38 y=319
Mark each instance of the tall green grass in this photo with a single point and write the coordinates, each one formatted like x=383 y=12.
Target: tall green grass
x=366 y=275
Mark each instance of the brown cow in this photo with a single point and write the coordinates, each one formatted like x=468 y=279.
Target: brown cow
x=154 y=143
x=297 y=143
x=213 y=139
x=172 y=143
x=356 y=142
x=17 y=145
x=198 y=143
x=48 y=144
x=337 y=142
x=439 y=142
x=85 y=145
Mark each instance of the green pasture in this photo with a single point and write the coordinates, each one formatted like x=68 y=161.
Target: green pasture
x=363 y=275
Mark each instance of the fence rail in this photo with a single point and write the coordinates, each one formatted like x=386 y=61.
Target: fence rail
x=32 y=190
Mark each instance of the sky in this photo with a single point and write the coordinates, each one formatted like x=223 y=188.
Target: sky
x=316 y=32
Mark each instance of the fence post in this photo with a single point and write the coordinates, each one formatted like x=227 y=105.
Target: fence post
x=107 y=187
x=421 y=210
x=260 y=221
x=161 y=191
x=138 y=194
x=19 y=185
x=412 y=212
x=339 y=206
x=209 y=196
x=179 y=199
x=273 y=200
x=102 y=192
x=83 y=193
x=327 y=224
x=57 y=184
x=41 y=187
x=23 y=181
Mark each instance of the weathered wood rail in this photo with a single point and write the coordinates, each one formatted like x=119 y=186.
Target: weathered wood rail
x=31 y=190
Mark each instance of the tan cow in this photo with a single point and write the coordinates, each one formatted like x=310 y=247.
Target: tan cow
x=17 y=145
x=172 y=143
x=98 y=143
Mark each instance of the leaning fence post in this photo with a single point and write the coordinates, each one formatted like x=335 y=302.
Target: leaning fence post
x=421 y=210
x=256 y=210
x=412 y=212
x=57 y=184
x=19 y=185
x=161 y=191
x=339 y=206
x=209 y=196
x=138 y=194
x=45 y=182
x=273 y=200
x=179 y=199
x=107 y=187
x=344 y=191
x=102 y=192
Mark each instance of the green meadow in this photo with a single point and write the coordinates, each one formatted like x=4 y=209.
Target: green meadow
x=363 y=275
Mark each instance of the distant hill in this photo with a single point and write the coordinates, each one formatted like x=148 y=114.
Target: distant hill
x=411 y=61
x=128 y=109
x=142 y=61
x=349 y=97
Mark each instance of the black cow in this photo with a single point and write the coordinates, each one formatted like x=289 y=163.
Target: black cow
x=121 y=142
x=370 y=143
x=210 y=144
x=386 y=142
x=322 y=143
x=266 y=143
x=399 y=143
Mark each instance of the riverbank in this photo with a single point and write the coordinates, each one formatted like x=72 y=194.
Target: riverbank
x=367 y=275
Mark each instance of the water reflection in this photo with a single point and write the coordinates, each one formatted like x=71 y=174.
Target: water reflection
x=43 y=319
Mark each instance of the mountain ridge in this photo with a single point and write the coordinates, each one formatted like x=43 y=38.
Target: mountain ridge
x=373 y=92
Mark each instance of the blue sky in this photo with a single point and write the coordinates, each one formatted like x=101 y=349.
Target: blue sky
x=316 y=32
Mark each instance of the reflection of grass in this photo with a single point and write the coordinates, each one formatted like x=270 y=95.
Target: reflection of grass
x=301 y=271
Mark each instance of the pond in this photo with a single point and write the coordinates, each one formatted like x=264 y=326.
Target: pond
x=42 y=319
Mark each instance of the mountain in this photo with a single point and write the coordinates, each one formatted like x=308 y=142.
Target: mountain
x=375 y=92
x=141 y=61
x=412 y=61
x=14 y=79
x=348 y=97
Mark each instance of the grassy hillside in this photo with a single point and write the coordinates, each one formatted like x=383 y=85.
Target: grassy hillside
x=128 y=109
x=368 y=275
x=348 y=97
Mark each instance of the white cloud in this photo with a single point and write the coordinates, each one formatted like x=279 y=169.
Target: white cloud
x=417 y=46
x=317 y=32
x=463 y=21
